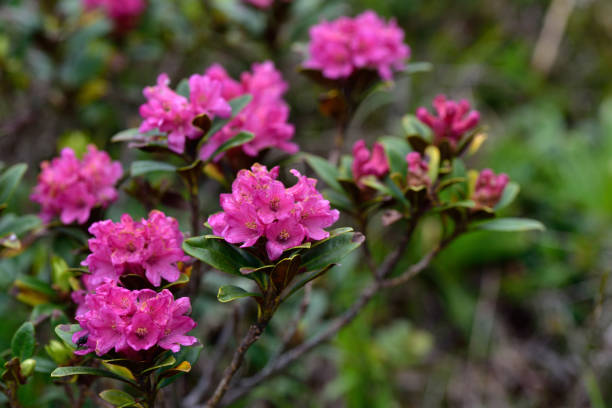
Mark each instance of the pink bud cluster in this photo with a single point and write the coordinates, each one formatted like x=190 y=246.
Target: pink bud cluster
x=123 y=12
x=260 y=206
x=150 y=247
x=489 y=188
x=368 y=164
x=340 y=47
x=265 y=116
x=262 y=4
x=453 y=121
x=70 y=187
x=417 y=170
x=173 y=114
x=128 y=321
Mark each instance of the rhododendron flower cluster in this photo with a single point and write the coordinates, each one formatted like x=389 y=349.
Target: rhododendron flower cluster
x=366 y=163
x=340 y=47
x=132 y=320
x=489 y=188
x=260 y=206
x=150 y=247
x=265 y=116
x=171 y=113
x=453 y=121
x=417 y=170
x=70 y=187
x=123 y=12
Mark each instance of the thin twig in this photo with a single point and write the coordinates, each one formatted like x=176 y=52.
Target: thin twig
x=253 y=334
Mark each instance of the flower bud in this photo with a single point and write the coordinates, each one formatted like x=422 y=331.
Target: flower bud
x=27 y=367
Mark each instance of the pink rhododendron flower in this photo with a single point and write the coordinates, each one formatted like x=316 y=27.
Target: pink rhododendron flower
x=150 y=247
x=260 y=206
x=123 y=12
x=265 y=116
x=368 y=164
x=489 y=188
x=173 y=114
x=70 y=187
x=453 y=121
x=417 y=170
x=112 y=317
x=340 y=47
x=262 y=4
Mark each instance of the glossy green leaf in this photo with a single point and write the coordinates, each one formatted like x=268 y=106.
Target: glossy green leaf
x=510 y=224
x=396 y=149
x=121 y=371
x=186 y=354
x=433 y=155
x=127 y=135
x=118 y=398
x=219 y=254
x=237 y=104
x=238 y=140
x=70 y=371
x=338 y=200
x=510 y=192
x=10 y=179
x=183 y=88
x=167 y=362
x=227 y=293
x=325 y=171
x=65 y=332
x=183 y=279
x=331 y=250
x=141 y=167
x=22 y=344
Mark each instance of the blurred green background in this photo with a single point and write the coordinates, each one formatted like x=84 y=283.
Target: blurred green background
x=500 y=320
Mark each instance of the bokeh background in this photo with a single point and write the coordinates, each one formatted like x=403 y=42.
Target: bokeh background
x=499 y=320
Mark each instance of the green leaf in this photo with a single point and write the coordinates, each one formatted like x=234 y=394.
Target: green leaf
x=10 y=179
x=170 y=360
x=183 y=88
x=65 y=332
x=31 y=283
x=237 y=104
x=186 y=354
x=433 y=154
x=327 y=172
x=147 y=166
x=227 y=293
x=510 y=224
x=127 y=135
x=238 y=140
x=219 y=254
x=22 y=344
x=396 y=149
x=121 y=371
x=510 y=192
x=414 y=127
x=117 y=397
x=331 y=250
x=70 y=371
x=18 y=225
x=284 y=272
x=183 y=278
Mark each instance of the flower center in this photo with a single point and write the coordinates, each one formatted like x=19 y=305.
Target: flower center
x=274 y=203
x=250 y=225
x=283 y=235
x=141 y=331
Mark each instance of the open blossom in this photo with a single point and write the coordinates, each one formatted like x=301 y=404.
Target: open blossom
x=489 y=188
x=123 y=12
x=260 y=206
x=368 y=164
x=112 y=317
x=417 y=170
x=173 y=114
x=265 y=116
x=453 y=121
x=70 y=187
x=340 y=47
x=150 y=247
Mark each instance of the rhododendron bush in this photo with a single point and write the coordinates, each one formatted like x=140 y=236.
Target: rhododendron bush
x=214 y=220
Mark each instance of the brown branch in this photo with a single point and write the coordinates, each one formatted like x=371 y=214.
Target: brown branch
x=253 y=334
